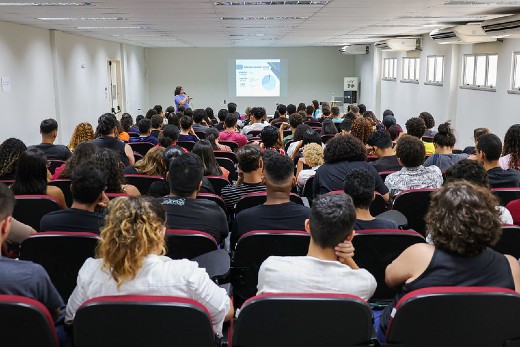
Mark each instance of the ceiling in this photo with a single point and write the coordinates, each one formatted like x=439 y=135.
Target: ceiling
x=205 y=23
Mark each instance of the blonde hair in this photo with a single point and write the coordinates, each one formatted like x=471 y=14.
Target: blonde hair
x=313 y=154
x=133 y=229
x=152 y=164
x=83 y=132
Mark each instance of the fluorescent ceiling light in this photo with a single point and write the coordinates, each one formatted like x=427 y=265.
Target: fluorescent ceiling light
x=266 y=18
x=45 y=4
x=109 y=28
x=268 y=3
x=80 y=18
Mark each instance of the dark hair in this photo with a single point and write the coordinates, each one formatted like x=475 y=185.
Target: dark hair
x=362 y=109
x=291 y=108
x=181 y=110
x=388 y=113
x=350 y=116
x=151 y=112
x=462 y=218
x=309 y=109
x=171 y=153
x=344 y=148
x=381 y=139
x=222 y=113
x=311 y=136
x=295 y=119
x=491 y=145
x=87 y=183
x=188 y=112
x=415 y=126
x=354 y=109
x=269 y=136
x=410 y=150
x=170 y=109
x=335 y=111
x=31 y=173
x=346 y=125
x=157 y=121
x=6 y=201
x=144 y=126
x=177 y=90
x=370 y=115
x=249 y=158
x=258 y=112
x=199 y=115
x=106 y=124
x=301 y=107
x=360 y=185
x=209 y=113
x=186 y=122
x=83 y=152
x=469 y=170
x=278 y=169
x=394 y=131
x=328 y=127
x=282 y=109
x=173 y=119
x=445 y=136
x=138 y=118
x=204 y=150
x=185 y=174
x=10 y=151
x=512 y=145
x=126 y=121
x=389 y=121
x=428 y=119
x=315 y=104
x=109 y=163
x=158 y=108
x=170 y=131
x=331 y=219
x=480 y=131
x=362 y=128
x=231 y=120
x=232 y=107
x=212 y=136
x=325 y=110
x=300 y=130
x=47 y=126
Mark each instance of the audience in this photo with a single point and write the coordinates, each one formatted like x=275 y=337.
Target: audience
x=156 y=123
x=212 y=135
x=416 y=127
x=295 y=119
x=395 y=132
x=381 y=142
x=257 y=122
x=510 y=158
x=470 y=150
x=187 y=132
x=109 y=164
x=355 y=110
x=222 y=114
x=106 y=129
x=145 y=133
x=204 y=150
x=198 y=120
x=152 y=164
x=282 y=110
x=83 y=132
x=126 y=125
x=313 y=158
x=345 y=126
x=134 y=128
x=49 y=132
x=444 y=141
x=328 y=127
x=429 y=121
x=170 y=132
x=84 y=152
x=297 y=139
x=336 y=116
x=230 y=132
x=362 y=128
x=10 y=152
x=389 y=121
x=489 y=148
x=271 y=139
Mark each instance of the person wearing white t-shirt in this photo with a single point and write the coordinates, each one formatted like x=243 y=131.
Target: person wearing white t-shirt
x=328 y=266
x=258 y=122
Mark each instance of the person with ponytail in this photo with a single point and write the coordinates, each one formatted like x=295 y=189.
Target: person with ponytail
x=444 y=141
x=212 y=136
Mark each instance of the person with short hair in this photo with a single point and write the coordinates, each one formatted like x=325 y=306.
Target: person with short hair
x=410 y=154
x=295 y=119
x=222 y=113
x=416 y=127
x=156 y=125
x=389 y=121
x=345 y=126
x=257 y=122
x=444 y=142
x=355 y=110
x=309 y=111
x=489 y=149
x=282 y=110
x=429 y=121
x=336 y=116
x=270 y=139
x=321 y=270
x=49 y=132
x=187 y=133
x=470 y=150
x=230 y=132
x=107 y=129
x=145 y=133
x=199 y=124
x=381 y=142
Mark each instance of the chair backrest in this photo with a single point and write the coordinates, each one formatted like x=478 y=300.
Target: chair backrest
x=258 y=198
x=7 y=182
x=30 y=209
x=225 y=154
x=413 y=204
x=228 y=165
x=54 y=164
x=64 y=185
x=136 y=321
x=509 y=242
x=231 y=144
x=200 y=134
x=141 y=147
x=378 y=205
x=384 y=174
x=132 y=134
x=313 y=124
x=376 y=249
x=256 y=246
x=61 y=254
x=303 y=320
x=215 y=198
x=218 y=183
x=254 y=133
x=142 y=182
x=327 y=137
x=186 y=144
x=506 y=195
x=456 y=316
x=181 y=243
x=116 y=195
x=308 y=191
x=287 y=132
x=26 y=323
x=287 y=144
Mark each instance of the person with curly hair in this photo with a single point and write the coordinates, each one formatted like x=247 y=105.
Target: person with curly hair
x=110 y=164
x=84 y=152
x=83 y=132
x=362 y=128
x=510 y=158
x=444 y=142
x=313 y=158
x=413 y=175
x=416 y=127
x=10 y=151
x=342 y=155
x=463 y=223
x=429 y=121
x=152 y=164
x=130 y=260
x=271 y=139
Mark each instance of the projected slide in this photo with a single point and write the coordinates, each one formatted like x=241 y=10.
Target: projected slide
x=257 y=77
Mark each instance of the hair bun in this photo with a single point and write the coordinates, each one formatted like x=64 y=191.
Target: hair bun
x=445 y=128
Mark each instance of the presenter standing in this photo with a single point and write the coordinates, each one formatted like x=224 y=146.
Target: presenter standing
x=181 y=99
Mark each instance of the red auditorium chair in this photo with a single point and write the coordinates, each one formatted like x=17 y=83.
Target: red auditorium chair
x=142 y=182
x=215 y=198
x=304 y=320
x=384 y=174
x=54 y=164
x=254 y=133
x=181 y=243
x=137 y=321
x=231 y=144
x=378 y=205
x=64 y=185
x=413 y=204
x=218 y=182
x=61 y=254
x=228 y=165
x=226 y=154
x=30 y=209
x=200 y=134
x=26 y=323
x=111 y=196
x=326 y=137
x=186 y=144
x=258 y=198
x=377 y=248
x=509 y=242
x=514 y=208
x=313 y=123
x=506 y=195
x=141 y=147
x=307 y=191
x=456 y=316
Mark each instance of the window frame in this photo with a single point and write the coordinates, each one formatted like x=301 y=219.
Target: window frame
x=434 y=83
x=392 y=74
x=515 y=85
x=416 y=70
x=474 y=86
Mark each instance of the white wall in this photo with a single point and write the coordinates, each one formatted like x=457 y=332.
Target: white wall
x=314 y=73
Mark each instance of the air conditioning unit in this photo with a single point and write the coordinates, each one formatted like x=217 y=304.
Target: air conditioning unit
x=355 y=49
x=503 y=26
x=399 y=44
x=470 y=33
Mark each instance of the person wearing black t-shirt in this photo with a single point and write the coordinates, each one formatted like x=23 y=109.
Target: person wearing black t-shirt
x=489 y=149
x=381 y=141
x=278 y=212
x=49 y=132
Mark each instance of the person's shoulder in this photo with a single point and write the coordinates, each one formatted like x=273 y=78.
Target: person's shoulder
x=434 y=169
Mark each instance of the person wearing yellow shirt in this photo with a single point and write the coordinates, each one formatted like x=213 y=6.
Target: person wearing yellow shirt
x=416 y=127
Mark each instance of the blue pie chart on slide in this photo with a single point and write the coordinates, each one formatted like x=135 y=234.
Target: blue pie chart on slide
x=269 y=82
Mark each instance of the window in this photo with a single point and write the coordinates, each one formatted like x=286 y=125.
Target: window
x=390 y=69
x=480 y=71
x=516 y=72
x=410 y=69
x=435 y=69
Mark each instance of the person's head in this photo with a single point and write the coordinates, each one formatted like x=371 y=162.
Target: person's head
x=334 y=111
x=415 y=126
x=49 y=127
x=463 y=218
x=151 y=112
x=88 y=184
x=6 y=211
x=325 y=109
x=269 y=136
x=362 y=128
x=186 y=122
x=173 y=119
x=371 y=116
x=311 y=136
x=328 y=127
x=344 y=148
x=134 y=228
x=395 y=131
x=109 y=163
x=171 y=153
x=144 y=126
x=410 y=151
x=10 y=151
x=178 y=90
x=138 y=118
x=188 y=112
x=279 y=174
x=126 y=122
x=469 y=170
x=331 y=220
x=478 y=132
x=181 y=109
x=185 y=175
x=84 y=152
x=258 y=113
x=445 y=136
x=249 y=158
x=158 y=109
x=204 y=150
x=152 y=163
x=156 y=121
x=107 y=124
x=315 y=104
x=380 y=140
x=170 y=109
x=170 y=131
x=199 y=115
x=222 y=113
x=301 y=107
x=350 y=116
x=360 y=185
x=512 y=145
x=31 y=173
x=489 y=148
x=300 y=131
x=231 y=121
x=345 y=126
x=212 y=136
x=209 y=113
x=282 y=109
x=313 y=154
x=428 y=119
x=354 y=109
x=389 y=121
x=82 y=132
x=309 y=110
x=388 y=113
x=291 y=108
x=362 y=109
x=295 y=119
x=232 y=107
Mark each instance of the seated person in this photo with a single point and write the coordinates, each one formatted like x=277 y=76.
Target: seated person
x=156 y=123
x=88 y=185
x=489 y=148
x=108 y=162
x=295 y=119
x=250 y=166
x=429 y=121
x=49 y=132
x=257 y=121
x=212 y=135
x=321 y=270
x=313 y=158
x=184 y=210
x=222 y=114
x=145 y=133
x=199 y=124
x=152 y=164
x=463 y=223
x=204 y=150
x=269 y=136
x=278 y=212
x=381 y=141
x=230 y=132
x=416 y=127
x=360 y=185
x=410 y=153
x=131 y=261
x=345 y=126
x=10 y=151
x=171 y=132
x=470 y=150
x=107 y=130
x=444 y=141
x=187 y=133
